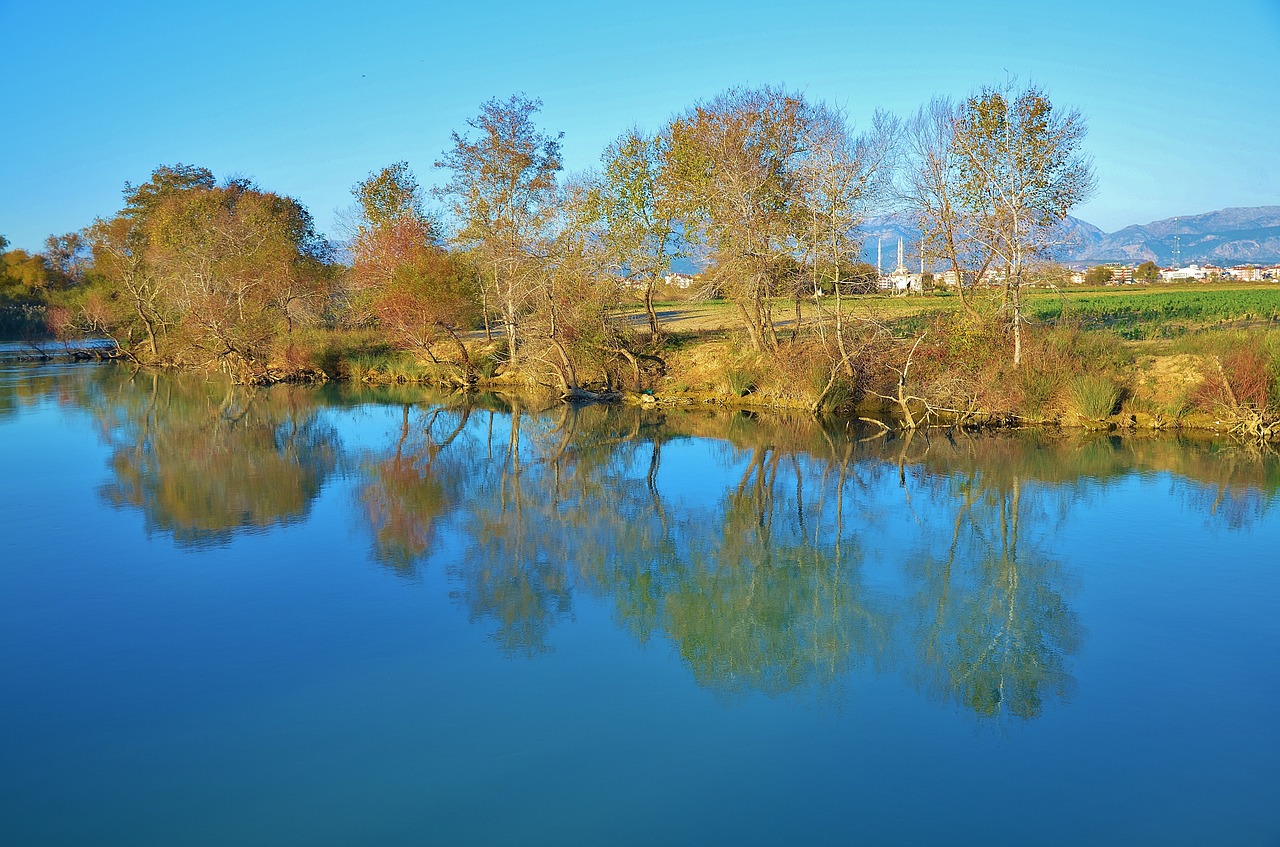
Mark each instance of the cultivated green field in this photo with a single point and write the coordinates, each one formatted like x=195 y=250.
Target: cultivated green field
x=1161 y=312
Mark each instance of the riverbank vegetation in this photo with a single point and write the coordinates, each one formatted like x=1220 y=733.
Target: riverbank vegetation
x=522 y=276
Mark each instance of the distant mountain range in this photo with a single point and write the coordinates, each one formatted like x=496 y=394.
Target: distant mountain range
x=1225 y=237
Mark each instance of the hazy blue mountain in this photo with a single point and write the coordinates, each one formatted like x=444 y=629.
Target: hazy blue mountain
x=1077 y=237
x=1225 y=237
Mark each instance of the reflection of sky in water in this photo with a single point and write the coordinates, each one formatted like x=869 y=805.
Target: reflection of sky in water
x=282 y=684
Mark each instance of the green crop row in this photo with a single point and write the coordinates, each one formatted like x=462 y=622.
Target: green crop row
x=1147 y=314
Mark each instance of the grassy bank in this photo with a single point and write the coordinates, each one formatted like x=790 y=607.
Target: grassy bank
x=1159 y=358
x=1188 y=357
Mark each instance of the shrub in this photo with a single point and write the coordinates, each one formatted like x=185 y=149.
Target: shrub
x=1091 y=396
x=487 y=365
x=1039 y=387
x=740 y=380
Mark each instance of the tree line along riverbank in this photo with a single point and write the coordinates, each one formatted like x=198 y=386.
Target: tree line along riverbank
x=528 y=278
x=922 y=363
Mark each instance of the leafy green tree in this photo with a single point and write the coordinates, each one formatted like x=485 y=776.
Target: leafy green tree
x=502 y=186
x=572 y=322
x=641 y=232
x=1147 y=272
x=1098 y=275
x=1020 y=170
x=734 y=168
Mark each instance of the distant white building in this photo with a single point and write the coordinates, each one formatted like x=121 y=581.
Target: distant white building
x=949 y=279
x=901 y=279
x=1189 y=272
x=679 y=280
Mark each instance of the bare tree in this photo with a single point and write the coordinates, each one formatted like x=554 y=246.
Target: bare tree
x=842 y=178
x=932 y=194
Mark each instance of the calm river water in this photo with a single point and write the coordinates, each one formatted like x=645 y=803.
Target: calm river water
x=333 y=616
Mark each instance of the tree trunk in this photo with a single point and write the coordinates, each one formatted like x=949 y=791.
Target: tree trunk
x=757 y=343
x=568 y=374
x=649 y=310
x=468 y=368
x=1016 y=296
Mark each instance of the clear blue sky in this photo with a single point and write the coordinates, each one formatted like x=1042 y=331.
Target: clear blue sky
x=1182 y=98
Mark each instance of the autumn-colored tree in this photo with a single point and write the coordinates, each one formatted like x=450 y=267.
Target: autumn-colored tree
x=202 y=274
x=24 y=277
x=432 y=298
x=391 y=230
x=418 y=293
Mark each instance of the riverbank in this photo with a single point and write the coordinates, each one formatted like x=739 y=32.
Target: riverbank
x=919 y=362
x=1150 y=359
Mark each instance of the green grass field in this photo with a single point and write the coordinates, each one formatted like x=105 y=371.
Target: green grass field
x=1133 y=312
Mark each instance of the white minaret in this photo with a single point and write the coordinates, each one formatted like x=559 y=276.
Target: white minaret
x=879 y=258
x=901 y=267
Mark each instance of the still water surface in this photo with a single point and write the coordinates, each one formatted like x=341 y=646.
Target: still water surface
x=327 y=616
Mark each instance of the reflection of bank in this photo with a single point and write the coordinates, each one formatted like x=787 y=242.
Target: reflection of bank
x=760 y=590
x=758 y=585
x=204 y=460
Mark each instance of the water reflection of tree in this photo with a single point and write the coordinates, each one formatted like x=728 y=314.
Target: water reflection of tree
x=758 y=592
x=762 y=590
x=515 y=572
x=204 y=460
x=769 y=598
x=1236 y=483
x=993 y=629
x=404 y=495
